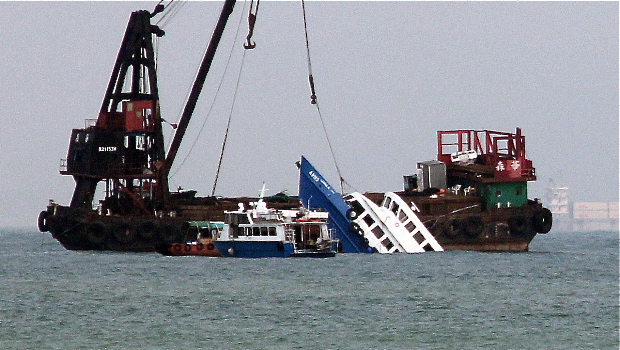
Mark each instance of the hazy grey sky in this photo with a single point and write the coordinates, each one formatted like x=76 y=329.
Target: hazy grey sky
x=388 y=76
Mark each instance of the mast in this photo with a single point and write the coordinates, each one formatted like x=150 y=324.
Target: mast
x=205 y=66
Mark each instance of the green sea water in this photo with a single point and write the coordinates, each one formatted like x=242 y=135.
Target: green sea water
x=563 y=294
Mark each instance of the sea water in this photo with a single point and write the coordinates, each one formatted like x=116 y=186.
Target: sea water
x=563 y=294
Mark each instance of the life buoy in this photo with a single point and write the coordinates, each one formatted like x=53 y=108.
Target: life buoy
x=542 y=221
x=200 y=246
x=473 y=226
x=210 y=246
x=42 y=222
x=453 y=228
x=518 y=224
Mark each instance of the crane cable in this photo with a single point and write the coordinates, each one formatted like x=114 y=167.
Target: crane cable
x=173 y=8
x=217 y=93
x=232 y=108
x=313 y=100
x=247 y=46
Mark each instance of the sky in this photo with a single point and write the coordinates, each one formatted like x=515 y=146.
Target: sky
x=388 y=76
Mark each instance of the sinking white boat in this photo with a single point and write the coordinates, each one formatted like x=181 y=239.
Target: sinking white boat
x=392 y=227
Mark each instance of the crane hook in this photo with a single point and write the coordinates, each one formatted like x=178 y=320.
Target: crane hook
x=249 y=45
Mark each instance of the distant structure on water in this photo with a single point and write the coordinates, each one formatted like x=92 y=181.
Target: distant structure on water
x=580 y=216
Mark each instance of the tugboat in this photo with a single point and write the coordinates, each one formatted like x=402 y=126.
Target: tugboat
x=473 y=197
x=261 y=232
x=484 y=204
x=200 y=245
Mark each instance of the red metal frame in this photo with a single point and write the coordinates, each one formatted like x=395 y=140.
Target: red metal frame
x=491 y=146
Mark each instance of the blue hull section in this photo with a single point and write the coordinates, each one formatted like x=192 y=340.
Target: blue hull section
x=315 y=192
x=256 y=249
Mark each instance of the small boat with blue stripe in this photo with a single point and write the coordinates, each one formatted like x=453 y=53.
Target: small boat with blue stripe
x=261 y=232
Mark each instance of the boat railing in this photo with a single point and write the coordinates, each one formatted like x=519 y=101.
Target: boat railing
x=289 y=234
x=493 y=148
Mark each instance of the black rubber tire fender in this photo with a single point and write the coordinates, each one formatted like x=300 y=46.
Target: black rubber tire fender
x=542 y=221
x=473 y=226
x=453 y=228
x=147 y=231
x=42 y=222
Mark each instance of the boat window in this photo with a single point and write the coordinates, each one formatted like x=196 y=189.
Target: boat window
x=395 y=208
x=377 y=231
x=264 y=231
x=243 y=219
x=141 y=143
x=418 y=237
x=386 y=202
x=387 y=244
x=272 y=231
x=368 y=220
x=402 y=216
x=357 y=206
x=255 y=231
x=410 y=226
x=232 y=219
